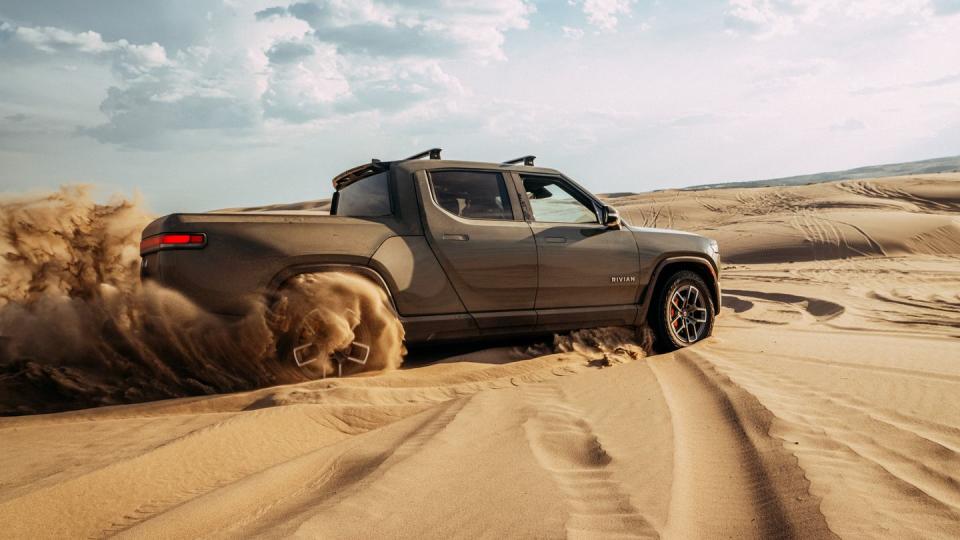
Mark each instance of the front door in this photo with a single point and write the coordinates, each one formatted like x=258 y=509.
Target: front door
x=478 y=233
x=582 y=262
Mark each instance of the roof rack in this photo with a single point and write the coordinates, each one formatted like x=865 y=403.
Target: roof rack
x=527 y=160
x=434 y=153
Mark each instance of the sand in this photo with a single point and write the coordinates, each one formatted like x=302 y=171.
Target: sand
x=824 y=405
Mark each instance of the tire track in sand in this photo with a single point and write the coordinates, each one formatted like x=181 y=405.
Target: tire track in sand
x=731 y=478
x=891 y=474
x=566 y=446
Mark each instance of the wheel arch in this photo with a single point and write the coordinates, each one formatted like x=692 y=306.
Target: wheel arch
x=671 y=265
x=278 y=280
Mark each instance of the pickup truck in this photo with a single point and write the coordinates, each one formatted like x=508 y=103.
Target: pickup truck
x=461 y=249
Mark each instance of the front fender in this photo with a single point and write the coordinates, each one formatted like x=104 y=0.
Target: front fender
x=698 y=262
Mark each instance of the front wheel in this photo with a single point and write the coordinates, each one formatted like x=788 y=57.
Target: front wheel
x=682 y=313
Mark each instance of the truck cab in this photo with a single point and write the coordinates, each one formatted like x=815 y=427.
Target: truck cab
x=509 y=248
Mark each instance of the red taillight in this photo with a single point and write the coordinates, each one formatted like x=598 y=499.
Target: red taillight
x=172 y=241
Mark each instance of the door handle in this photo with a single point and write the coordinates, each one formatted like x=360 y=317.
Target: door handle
x=555 y=240
x=458 y=237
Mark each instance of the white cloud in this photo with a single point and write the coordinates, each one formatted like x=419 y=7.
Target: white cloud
x=761 y=17
x=371 y=56
x=304 y=81
x=50 y=39
x=770 y=18
x=300 y=63
x=605 y=14
x=399 y=87
x=127 y=57
x=430 y=28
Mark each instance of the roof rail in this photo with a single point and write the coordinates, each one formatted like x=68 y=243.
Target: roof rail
x=434 y=153
x=527 y=160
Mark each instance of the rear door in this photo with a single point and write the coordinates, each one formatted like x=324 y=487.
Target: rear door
x=583 y=264
x=476 y=229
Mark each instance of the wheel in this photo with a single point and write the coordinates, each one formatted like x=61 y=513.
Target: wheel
x=682 y=313
x=335 y=324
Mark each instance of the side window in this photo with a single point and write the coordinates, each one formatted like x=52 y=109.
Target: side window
x=369 y=197
x=553 y=202
x=472 y=194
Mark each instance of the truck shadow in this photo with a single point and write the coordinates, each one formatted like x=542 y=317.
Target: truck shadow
x=484 y=351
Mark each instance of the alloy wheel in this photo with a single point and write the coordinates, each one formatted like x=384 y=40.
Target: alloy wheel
x=687 y=314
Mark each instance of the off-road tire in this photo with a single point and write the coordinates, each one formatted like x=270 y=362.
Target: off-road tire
x=296 y=312
x=665 y=318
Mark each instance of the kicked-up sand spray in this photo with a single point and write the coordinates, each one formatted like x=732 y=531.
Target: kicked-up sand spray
x=80 y=330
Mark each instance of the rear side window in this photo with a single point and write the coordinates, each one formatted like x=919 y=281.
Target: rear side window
x=472 y=194
x=369 y=197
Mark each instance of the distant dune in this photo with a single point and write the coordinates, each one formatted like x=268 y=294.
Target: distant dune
x=825 y=405
x=908 y=215
x=318 y=205
x=926 y=166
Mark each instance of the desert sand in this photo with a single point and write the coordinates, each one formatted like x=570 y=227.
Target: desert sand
x=825 y=404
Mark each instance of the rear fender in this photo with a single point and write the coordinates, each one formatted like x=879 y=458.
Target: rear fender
x=290 y=272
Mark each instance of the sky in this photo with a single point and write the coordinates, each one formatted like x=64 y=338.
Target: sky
x=200 y=104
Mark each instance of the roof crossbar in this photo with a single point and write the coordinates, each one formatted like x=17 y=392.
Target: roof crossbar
x=527 y=160
x=434 y=153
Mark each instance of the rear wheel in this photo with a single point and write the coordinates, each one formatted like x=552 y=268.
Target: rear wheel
x=335 y=324
x=309 y=347
x=683 y=312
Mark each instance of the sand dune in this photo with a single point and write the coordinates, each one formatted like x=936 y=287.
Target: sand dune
x=825 y=405
x=885 y=217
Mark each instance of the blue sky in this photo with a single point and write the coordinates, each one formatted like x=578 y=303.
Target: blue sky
x=211 y=103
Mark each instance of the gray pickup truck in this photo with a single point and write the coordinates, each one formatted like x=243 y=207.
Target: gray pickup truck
x=462 y=249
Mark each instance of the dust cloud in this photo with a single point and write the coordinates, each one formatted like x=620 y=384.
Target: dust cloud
x=77 y=328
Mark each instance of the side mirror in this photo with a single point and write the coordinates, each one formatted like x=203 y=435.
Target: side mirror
x=611 y=218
